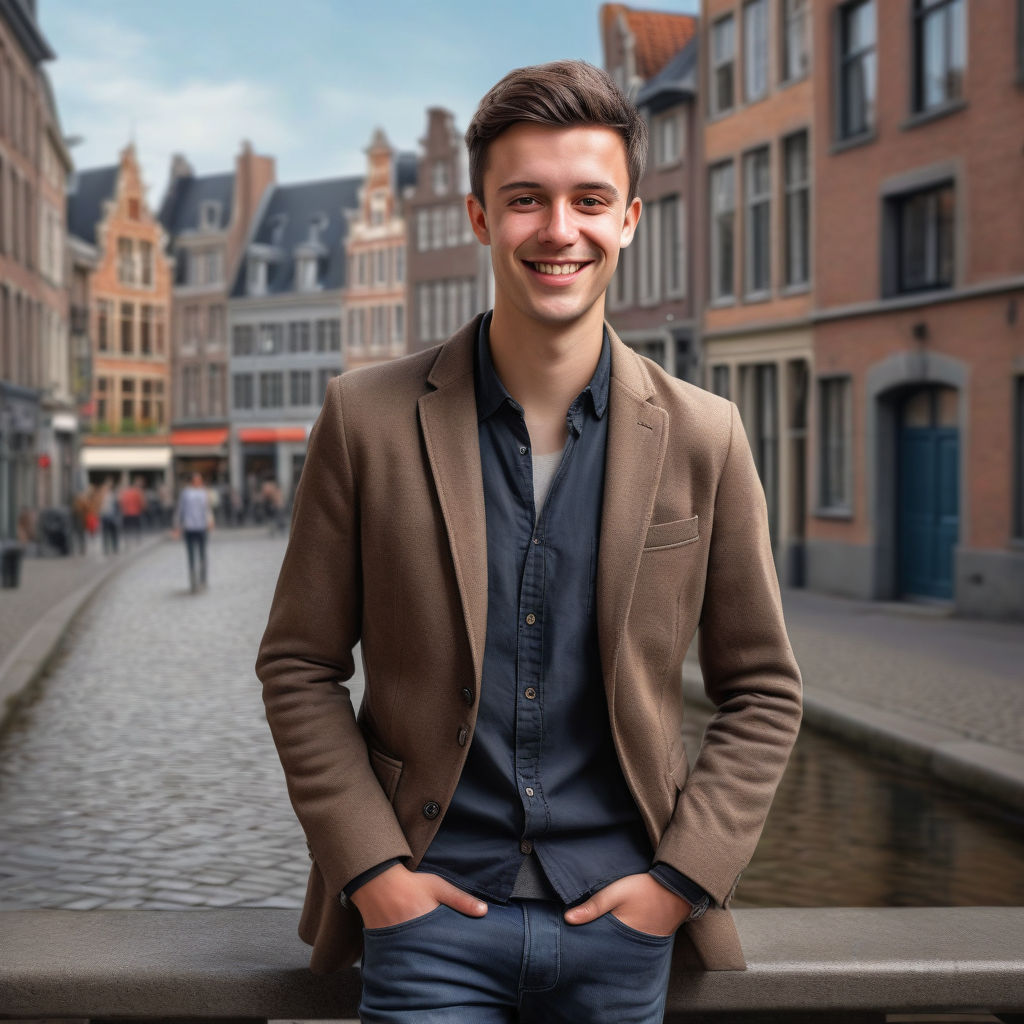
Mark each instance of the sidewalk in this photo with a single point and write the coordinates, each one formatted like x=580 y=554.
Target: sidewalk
x=35 y=615
x=915 y=683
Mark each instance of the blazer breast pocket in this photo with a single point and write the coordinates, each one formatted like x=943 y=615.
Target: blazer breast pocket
x=672 y=535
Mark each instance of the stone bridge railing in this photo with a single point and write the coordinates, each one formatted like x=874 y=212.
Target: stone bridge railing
x=835 y=965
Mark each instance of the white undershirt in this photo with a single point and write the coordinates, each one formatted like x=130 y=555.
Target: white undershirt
x=544 y=469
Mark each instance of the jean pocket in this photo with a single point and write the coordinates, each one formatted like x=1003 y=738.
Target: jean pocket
x=413 y=922
x=646 y=938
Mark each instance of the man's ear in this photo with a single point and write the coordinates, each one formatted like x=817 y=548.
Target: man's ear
x=478 y=219
x=629 y=224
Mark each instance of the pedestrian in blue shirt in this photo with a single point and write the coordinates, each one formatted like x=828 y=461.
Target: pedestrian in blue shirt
x=194 y=520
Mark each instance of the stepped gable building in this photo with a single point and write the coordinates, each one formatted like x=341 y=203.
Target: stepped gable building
x=207 y=219
x=129 y=414
x=38 y=425
x=375 y=291
x=758 y=111
x=917 y=477
x=651 y=298
x=449 y=271
x=284 y=321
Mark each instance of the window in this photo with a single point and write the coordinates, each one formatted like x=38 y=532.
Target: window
x=755 y=49
x=670 y=212
x=125 y=261
x=798 y=207
x=381 y=267
x=104 y=314
x=146 y=263
x=355 y=328
x=146 y=331
x=422 y=230
x=323 y=378
x=857 y=68
x=758 y=184
x=440 y=178
x=437 y=227
x=620 y=290
x=215 y=331
x=760 y=411
x=270 y=339
x=723 y=217
x=215 y=389
x=334 y=335
x=400 y=265
x=301 y=387
x=940 y=52
x=321 y=335
x=127 y=403
x=834 y=468
x=306 y=273
x=1018 y=469
x=720 y=380
x=795 y=54
x=242 y=340
x=648 y=233
x=453 y=225
x=920 y=228
x=398 y=324
x=190 y=390
x=257 y=279
x=667 y=138
x=241 y=384
x=423 y=312
x=102 y=400
x=271 y=390
x=127 y=328
x=209 y=215
x=723 y=59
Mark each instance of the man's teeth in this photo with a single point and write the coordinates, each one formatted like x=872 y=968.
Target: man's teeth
x=558 y=268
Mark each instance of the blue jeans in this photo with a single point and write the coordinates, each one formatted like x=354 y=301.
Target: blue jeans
x=520 y=962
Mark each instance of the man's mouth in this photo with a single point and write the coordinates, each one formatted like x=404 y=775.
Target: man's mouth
x=555 y=269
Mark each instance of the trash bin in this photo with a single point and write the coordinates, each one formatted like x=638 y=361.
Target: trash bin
x=10 y=564
x=53 y=528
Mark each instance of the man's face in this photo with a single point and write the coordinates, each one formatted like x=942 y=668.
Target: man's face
x=556 y=215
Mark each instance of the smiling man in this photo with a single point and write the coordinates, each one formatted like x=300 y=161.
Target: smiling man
x=524 y=529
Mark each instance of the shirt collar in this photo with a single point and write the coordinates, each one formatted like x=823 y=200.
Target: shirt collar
x=491 y=393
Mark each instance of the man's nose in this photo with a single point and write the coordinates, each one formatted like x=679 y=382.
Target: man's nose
x=560 y=228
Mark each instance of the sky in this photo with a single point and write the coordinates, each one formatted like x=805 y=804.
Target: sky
x=306 y=81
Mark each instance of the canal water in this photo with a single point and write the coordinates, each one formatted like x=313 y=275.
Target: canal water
x=851 y=830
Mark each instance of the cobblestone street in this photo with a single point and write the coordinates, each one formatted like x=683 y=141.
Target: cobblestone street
x=143 y=774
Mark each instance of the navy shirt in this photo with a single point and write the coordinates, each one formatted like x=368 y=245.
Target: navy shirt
x=542 y=773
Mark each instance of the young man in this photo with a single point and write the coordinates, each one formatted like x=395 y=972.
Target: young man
x=524 y=529
x=193 y=519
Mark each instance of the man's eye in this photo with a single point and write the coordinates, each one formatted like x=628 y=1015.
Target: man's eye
x=590 y=201
x=524 y=201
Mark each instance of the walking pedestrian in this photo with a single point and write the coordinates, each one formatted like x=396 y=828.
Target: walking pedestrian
x=523 y=528
x=194 y=520
x=110 y=517
x=132 y=505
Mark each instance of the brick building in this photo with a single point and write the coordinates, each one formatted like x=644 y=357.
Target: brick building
x=448 y=271
x=757 y=105
x=128 y=433
x=652 y=55
x=917 y=488
x=284 y=321
x=38 y=426
x=207 y=219
x=374 y=296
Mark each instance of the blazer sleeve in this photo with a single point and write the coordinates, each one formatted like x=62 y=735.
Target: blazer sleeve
x=305 y=659
x=750 y=675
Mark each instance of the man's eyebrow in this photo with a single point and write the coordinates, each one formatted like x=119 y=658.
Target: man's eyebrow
x=584 y=186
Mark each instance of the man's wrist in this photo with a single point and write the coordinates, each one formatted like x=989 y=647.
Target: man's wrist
x=675 y=881
x=345 y=896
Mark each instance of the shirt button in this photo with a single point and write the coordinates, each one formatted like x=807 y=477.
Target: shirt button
x=467 y=696
x=530 y=692
x=431 y=809
x=463 y=735
x=529 y=790
x=523 y=449
x=526 y=846
x=536 y=540
x=531 y=619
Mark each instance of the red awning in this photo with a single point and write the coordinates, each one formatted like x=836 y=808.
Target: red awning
x=199 y=438
x=267 y=435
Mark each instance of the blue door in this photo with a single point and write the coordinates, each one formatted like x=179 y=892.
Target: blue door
x=929 y=519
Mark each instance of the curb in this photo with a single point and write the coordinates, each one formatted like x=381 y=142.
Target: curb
x=979 y=769
x=34 y=652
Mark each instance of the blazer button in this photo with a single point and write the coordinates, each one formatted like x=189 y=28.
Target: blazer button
x=463 y=736
x=431 y=809
x=467 y=696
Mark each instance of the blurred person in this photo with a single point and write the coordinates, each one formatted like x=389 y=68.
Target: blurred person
x=194 y=520
x=83 y=519
x=110 y=517
x=133 y=504
x=523 y=528
x=272 y=501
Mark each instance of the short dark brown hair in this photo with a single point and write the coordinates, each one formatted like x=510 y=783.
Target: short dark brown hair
x=562 y=94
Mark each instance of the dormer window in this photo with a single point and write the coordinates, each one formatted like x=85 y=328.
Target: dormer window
x=440 y=177
x=209 y=215
x=257 y=276
x=306 y=273
x=378 y=207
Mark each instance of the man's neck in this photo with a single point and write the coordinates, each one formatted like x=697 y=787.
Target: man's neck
x=544 y=367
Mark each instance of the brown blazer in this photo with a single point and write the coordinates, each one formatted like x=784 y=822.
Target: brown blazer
x=388 y=549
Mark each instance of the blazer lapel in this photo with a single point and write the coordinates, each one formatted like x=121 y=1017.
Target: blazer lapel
x=637 y=435
x=448 y=419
